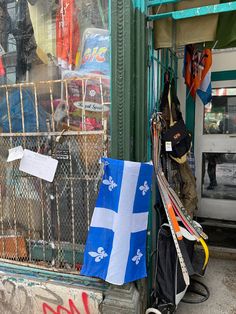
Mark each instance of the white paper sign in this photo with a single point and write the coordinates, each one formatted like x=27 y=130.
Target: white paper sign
x=168 y=147
x=38 y=165
x=15 y=153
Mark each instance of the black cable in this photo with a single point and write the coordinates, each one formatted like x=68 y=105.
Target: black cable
x=197 y=292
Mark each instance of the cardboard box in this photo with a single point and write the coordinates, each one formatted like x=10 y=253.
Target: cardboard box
x=13 y=247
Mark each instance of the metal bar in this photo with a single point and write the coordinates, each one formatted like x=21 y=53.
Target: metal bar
x=29 y=216
x=26 y=268
x=2 y=226
x=8 y=109
x=52 y=108
x=15 y=221
x=58 y=224
x=194 y=12
x=152 y=3
x=43 y=218
x=36 y=108
x=42 y=134
x=67 y=105
x=84 y=90
x=17 y=85
x=71 y=183
x=22 y=110
x=72 y=203
x=87 y=184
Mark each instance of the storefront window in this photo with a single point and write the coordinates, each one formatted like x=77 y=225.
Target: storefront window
x=54 y=101
x=219 y=175
x=65 y=44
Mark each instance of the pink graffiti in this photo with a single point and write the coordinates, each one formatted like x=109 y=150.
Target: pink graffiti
x=47 y=309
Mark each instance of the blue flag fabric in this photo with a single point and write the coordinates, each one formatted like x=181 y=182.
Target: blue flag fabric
x=116 y=245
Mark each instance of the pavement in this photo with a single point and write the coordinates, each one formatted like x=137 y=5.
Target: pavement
x=220 y=278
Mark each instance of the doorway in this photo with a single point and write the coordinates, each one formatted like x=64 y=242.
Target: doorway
x=215 y=147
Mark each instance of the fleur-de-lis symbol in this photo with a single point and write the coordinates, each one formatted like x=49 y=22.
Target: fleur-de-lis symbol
x=144 y=188
x=137 y=257
x=92 y=93
x=111 y=184
x=99 y=255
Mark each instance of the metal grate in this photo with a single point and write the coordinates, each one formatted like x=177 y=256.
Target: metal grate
x=40 y=222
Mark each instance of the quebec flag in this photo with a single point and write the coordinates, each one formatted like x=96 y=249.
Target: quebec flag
x=116 y=245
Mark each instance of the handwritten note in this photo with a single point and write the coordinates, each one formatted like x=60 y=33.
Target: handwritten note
x=38 y=165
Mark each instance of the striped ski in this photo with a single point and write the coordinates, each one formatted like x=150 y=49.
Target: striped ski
x=173 y=223
x=182 y=212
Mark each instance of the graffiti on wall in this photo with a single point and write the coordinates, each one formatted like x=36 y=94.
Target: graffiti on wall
x=21 y=296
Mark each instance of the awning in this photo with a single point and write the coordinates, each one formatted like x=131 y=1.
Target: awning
x=218 y=29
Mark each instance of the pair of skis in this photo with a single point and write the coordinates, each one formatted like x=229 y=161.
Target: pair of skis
x=173 y=207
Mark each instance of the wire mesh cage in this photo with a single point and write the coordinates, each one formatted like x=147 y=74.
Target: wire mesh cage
x=41 y=222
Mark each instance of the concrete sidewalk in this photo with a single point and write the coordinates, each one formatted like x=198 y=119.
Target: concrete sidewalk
x=220 y=278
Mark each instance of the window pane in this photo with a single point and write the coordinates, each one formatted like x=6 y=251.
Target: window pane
x=64 y=44
x=220 y=115
x=219 y=175
x=54 y=78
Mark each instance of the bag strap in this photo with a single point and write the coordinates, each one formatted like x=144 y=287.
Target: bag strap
x=170 y=106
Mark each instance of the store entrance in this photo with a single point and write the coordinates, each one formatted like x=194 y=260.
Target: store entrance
x=215 y=148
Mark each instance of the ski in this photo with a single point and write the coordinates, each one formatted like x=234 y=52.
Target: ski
x=170 y=214
x=183 y=212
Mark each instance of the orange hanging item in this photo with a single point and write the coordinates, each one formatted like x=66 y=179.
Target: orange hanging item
x=2 y=68
x=67 y=34
x=197 y=64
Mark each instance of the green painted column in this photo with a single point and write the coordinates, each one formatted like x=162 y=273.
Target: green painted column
x=129 y=65
x=190 y=114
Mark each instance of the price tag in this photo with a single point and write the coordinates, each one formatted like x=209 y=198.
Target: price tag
x=168 y=146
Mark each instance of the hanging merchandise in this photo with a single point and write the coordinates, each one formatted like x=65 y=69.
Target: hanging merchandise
x=116 y=245
x=5 y=24
x=176 y=143
x=23 y=32
x=11 y=108
x=67 y=34
x=2 y=68
x=197 y=72
x=169 y=285
x=5 y=27
x=176 y=238
x=173 y=223
x=176 y=138
x=188 y=193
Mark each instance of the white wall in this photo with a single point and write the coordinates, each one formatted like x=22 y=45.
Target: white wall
x=224 y=60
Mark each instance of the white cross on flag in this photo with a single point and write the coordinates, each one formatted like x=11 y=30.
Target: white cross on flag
x=116 y=245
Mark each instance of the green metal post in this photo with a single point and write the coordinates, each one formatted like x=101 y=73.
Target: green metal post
x=190 y=114
x=129 y=69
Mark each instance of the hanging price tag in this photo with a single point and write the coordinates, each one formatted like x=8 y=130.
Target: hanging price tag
x=168 y=146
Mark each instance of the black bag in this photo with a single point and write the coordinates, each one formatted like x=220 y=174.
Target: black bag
x=169 y=287
x=179 y=137
x=176 y=131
